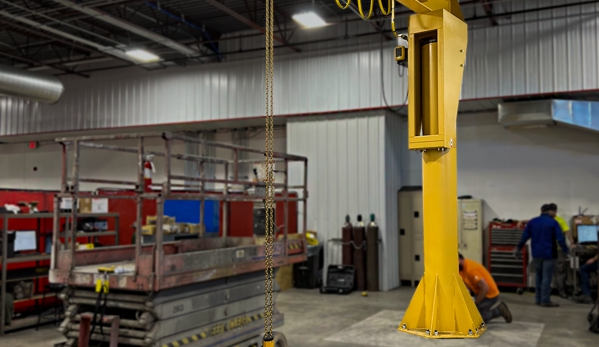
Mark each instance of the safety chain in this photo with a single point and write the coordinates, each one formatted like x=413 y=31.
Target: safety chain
x=269 y=177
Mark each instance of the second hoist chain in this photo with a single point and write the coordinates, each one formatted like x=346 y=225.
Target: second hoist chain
x=269 y=177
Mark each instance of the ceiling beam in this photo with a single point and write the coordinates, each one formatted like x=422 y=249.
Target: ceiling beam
x=76 y=18
x=36 y=33
x=280 y=11
x=206 y=32
x=249 y=22
x=143 y=32
x=488 y=7
x=37 y=63
x=105 y=49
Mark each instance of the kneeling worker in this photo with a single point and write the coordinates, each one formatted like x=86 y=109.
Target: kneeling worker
x=481 y=283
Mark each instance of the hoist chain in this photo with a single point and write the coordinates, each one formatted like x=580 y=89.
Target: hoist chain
x=269 y=175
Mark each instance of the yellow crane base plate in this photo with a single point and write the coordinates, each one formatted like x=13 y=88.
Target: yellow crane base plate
x=449 y=313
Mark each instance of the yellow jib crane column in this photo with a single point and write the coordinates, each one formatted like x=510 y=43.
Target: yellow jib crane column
x=437 y=40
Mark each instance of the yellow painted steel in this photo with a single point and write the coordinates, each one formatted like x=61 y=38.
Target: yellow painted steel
x=441 y=306
x=426 y=6
x=268 y=343
x=437 y=42
x=418 y=6
x=430 y=125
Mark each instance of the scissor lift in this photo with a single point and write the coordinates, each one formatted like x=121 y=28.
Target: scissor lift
x=197 y=292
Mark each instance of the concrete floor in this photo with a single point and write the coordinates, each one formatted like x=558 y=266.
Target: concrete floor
x=313 y=320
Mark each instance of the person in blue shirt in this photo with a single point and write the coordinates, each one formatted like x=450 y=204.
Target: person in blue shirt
x=544 y=231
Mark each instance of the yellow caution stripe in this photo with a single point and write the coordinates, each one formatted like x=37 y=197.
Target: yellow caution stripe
x=295 y=246
x=216 y=330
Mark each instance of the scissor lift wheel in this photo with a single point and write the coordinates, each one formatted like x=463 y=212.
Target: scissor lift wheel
x=280 y=340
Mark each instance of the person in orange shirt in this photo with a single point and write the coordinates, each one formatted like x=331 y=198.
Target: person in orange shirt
x=480 y=282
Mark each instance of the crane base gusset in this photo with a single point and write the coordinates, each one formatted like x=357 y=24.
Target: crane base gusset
x=463 y=320
x=441 y=306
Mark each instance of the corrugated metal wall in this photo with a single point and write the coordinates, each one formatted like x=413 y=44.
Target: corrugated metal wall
x=353 y=168
x=542 y=52
x=554 y=51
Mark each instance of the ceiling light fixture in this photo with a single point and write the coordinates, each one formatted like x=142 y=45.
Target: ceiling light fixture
x=309 y=20
x=143 y=56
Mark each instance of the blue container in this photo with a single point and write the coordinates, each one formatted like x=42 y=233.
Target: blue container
x=188 y=211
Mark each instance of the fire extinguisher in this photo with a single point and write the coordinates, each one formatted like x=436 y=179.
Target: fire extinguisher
x=149 y=168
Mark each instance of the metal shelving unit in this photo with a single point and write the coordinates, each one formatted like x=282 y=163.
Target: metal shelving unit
x=31 y=274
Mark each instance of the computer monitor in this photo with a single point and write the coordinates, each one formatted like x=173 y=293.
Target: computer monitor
x=25 y=241
x=587 y=233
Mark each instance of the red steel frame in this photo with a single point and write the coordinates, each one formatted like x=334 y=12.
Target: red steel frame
x=163 y=265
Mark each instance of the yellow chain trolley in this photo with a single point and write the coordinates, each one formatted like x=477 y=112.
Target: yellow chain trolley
x=269 y=178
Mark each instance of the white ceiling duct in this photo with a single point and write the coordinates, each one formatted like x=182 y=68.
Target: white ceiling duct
x=30 y=85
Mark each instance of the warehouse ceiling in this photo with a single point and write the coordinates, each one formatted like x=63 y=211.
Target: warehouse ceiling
x=78 y=37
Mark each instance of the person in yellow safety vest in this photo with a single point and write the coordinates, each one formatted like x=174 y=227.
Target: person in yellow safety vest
x=560 y=272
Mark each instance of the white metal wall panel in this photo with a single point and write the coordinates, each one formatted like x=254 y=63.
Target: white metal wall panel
x=540 y=52
x=549 y=51
x=353 y=166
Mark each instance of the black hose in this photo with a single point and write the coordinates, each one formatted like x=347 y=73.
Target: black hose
x=93 y=322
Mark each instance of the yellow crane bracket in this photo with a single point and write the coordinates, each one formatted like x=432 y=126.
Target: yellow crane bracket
x=441 y=306
x=437 y=54
x=426 y=6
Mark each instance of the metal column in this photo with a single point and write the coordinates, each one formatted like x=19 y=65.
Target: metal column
x=441 y=306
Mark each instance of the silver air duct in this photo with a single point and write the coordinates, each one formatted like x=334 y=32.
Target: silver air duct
x=29 y=85
x=583 y=115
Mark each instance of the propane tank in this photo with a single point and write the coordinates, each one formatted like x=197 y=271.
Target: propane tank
x=347 y=238
x=149 y=169
x=359 y=256
x=372 y=255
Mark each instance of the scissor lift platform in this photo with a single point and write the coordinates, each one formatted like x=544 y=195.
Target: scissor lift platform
x=197 y=292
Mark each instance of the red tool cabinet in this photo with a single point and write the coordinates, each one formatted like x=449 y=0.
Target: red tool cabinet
x=506 y=269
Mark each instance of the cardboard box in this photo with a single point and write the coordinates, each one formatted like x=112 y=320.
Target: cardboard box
x=284 y=277
x=85 y=205
x=151 y=220
x=183 y=228
x=261 y=240
x=85 y=246
x=170 y=229
x=197 y=229
x=148 y=230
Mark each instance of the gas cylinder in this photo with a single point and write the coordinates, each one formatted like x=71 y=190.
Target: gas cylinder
x=372 y=255
x=359 y=256
x=149 y=168
x=347 y=238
